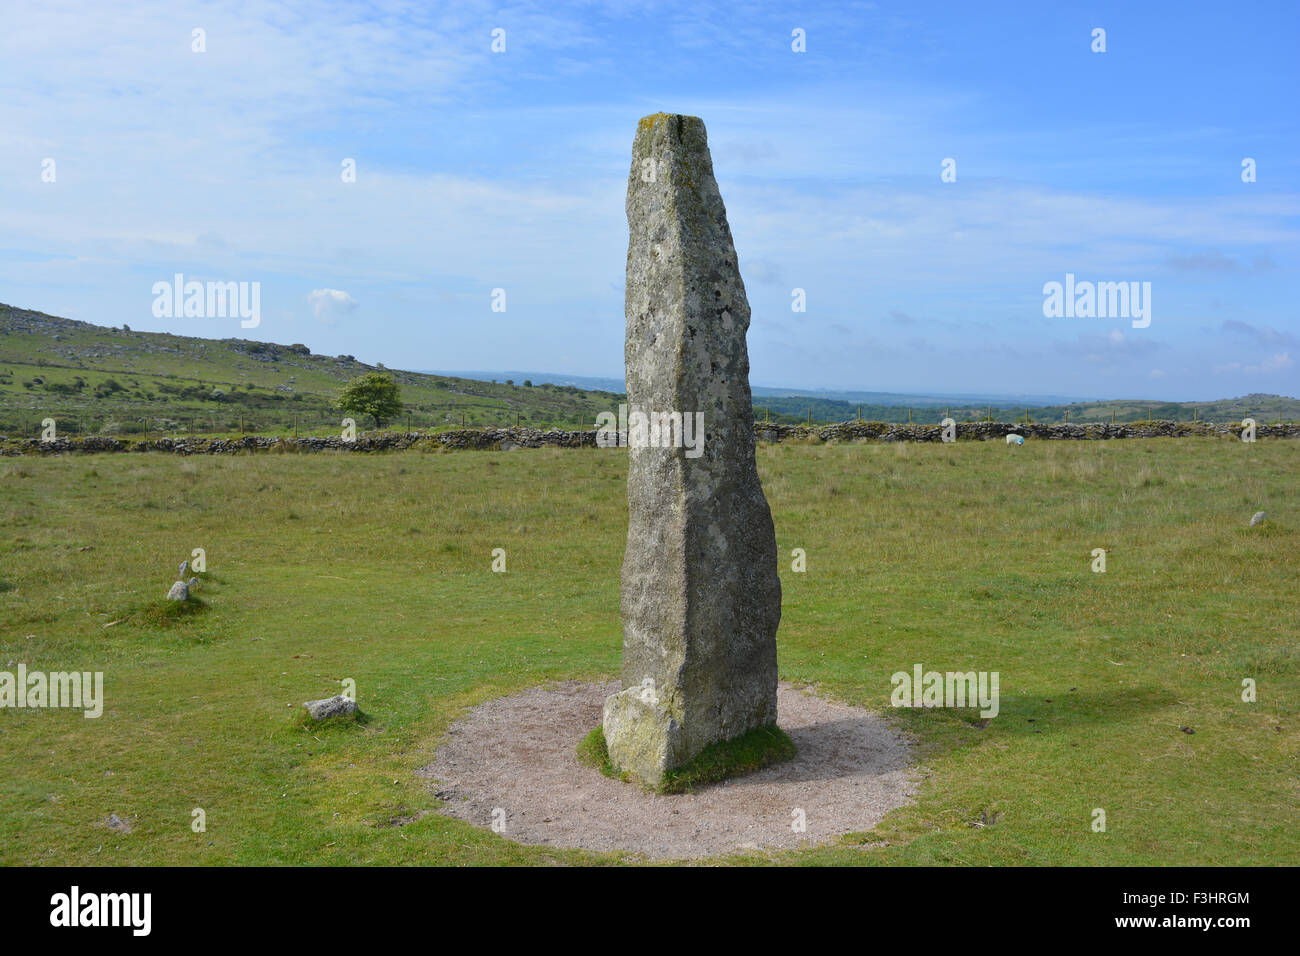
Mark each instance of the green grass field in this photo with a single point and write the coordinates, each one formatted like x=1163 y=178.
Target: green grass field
x=377 y=568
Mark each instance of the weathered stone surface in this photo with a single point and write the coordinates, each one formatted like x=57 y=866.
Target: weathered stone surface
x=646 y=738
x=339 y=706
x=701 y=599
x=1258 y=518
x=180 y=592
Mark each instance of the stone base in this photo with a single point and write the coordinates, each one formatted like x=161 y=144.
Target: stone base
x=643 y=739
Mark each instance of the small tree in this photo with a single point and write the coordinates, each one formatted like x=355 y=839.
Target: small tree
x=374 y=394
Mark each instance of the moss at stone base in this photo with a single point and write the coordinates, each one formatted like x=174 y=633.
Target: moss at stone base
x=593 y=752
x=751 y=751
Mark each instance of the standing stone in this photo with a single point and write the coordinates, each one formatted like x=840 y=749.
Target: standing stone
x=180 y=592
x=1258 y=518
x=701 y=599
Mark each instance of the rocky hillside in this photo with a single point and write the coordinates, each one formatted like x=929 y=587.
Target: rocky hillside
x=96 y=380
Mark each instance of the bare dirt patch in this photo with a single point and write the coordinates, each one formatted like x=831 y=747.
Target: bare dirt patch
x=518 y=754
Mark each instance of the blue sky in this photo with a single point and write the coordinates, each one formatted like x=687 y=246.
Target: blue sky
x=479 y=170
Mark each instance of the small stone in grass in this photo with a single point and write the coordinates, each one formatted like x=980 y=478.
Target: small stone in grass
x=338 y=706
x=180 y=592
x=1258 y=518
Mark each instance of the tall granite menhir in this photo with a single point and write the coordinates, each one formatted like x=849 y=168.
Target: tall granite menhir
x=701 y=599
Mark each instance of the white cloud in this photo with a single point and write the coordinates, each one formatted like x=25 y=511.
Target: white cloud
x=329 y=304
x=1273 y=363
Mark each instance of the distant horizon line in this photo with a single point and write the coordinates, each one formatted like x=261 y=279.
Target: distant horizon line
x=829 y=392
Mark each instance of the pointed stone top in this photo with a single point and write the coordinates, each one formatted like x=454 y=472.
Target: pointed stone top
x=654 y=119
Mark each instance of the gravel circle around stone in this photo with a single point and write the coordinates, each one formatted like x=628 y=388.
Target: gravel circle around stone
x=518 y=754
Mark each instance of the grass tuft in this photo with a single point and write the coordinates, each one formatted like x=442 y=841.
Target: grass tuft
x=164 y=613
x=593 y=752
x=340 y=722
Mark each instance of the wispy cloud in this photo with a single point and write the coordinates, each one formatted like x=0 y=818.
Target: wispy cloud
x=1268 y=366
x=1218 y=262
x=1262 y=335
